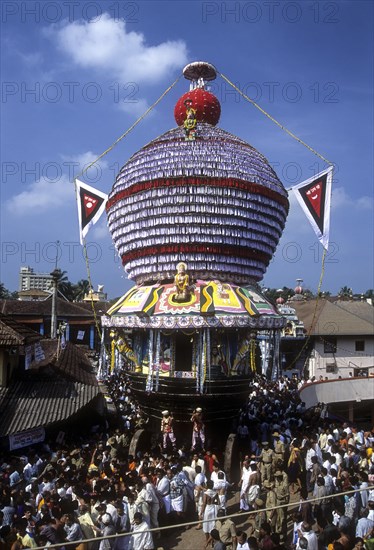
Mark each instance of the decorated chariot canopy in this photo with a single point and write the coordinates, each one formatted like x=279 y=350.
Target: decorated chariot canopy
x=205 y=304
x=197 y=194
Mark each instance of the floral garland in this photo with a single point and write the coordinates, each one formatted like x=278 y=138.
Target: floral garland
x=149 y=383
x=157 y=358
x=252 y=355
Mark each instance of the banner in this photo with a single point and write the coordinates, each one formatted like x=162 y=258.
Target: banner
x=314 y=196
x=91 y=204
x=28 y=356
x=39 y=353
x=24 y=439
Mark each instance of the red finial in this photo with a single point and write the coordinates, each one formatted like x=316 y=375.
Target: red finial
x=205 y=105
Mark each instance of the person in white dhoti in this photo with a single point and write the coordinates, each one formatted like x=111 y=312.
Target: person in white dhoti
x=244 y=484
x=149 y=494
x=199 y=488
x=209 y=509
x=140 y=539
x=163 y=488
x=221 y=486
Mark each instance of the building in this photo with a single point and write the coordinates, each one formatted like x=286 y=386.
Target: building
x=33 y=294
x=28 y=279
x=294 y=347
x=79 y=319
x=45 y=390
x=339 y=358
x=341 y=335
x=15 y=340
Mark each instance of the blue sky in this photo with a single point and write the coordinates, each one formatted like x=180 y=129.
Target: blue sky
x=76 y=75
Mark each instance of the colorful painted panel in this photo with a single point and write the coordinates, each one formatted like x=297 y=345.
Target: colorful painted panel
x=261 y=304
x=133 y=301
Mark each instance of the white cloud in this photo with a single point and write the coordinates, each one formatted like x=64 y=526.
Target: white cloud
x=42 y=195
x=106 y=46
x=341 y=199
x=136 y=108
x=100 y=230
x=55 y=190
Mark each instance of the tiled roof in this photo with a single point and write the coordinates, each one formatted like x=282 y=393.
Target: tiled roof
x=31 y=404
x=100 y=307
x=333 y=318
x=44 y=308
x=33 y=292
x=71 y=363
x=16 y=334
x=363 y=310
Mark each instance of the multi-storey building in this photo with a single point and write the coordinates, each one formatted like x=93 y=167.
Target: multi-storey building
x=28 y=279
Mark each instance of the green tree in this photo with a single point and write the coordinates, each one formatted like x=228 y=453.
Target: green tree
x=324 y=293
x=369 y=293
x=272 y=294
x=345 y=292
x=82 y=288
x=64 y=287
x=6 y=294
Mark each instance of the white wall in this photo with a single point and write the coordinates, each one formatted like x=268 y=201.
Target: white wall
x=338 y=391
x=346 y=358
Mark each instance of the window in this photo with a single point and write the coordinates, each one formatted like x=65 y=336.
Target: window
x=330 y=367
x=360 y=345
x=329 y=344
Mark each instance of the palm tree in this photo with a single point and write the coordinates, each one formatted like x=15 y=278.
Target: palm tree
x=82 y=288
x=345 y=292
x=64 y=286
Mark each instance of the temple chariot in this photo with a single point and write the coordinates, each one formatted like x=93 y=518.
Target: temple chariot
x=196 y=216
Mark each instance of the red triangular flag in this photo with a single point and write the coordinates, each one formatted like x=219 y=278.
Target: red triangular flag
x=314 y=196
x=91 y=204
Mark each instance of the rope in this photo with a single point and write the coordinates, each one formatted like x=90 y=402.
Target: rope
x=192 y=523
x=314 y=312
x=281 y=126
x=299 y=140
x=97 y=325
x=129 y=129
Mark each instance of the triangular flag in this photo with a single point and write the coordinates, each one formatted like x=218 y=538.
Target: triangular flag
x=91 y=204
x=314 y=196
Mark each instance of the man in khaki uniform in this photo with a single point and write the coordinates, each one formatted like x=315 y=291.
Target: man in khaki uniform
x=279 y=451
x=227 y=530
x=260 y=517
x=266 y=458
x=270 y=503
x=282 y=492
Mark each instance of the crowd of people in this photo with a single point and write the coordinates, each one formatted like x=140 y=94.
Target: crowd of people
x=305 y=481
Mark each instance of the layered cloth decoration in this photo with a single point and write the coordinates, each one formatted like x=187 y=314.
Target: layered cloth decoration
x=91 y=205
x=314 y=196
x=214 y=203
